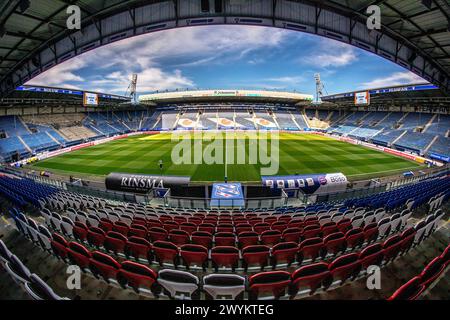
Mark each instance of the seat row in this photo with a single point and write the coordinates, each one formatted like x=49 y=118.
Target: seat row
x=33 y=285
x=415 y=287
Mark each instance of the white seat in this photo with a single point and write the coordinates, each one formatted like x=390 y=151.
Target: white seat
x=224 y=285
x=396 y=221
x=384 y=227
x=405 y=215
x=37 y=289
x=357 y=221
x=179 y=284
x=17 y=270
x=379 y=214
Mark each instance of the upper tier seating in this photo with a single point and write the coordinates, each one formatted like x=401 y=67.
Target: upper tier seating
x=414 y=141
x=13 y=126
x=440 y=125
x=414 y=120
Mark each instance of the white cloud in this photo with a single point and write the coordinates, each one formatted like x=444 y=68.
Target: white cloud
x=158 y=57
x=395 y=79
x=331 y=53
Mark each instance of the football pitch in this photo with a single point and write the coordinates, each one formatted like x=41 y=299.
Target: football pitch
x=298 y=154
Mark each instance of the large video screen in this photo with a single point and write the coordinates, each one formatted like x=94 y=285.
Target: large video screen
x=362 y=98
x=90 y=99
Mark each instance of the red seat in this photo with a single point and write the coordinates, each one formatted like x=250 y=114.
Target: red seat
x=207 y=227
x=247 y=238
x=121 y=227
x=284 y=252
x=371 y=232
x=80 y=231
x=151 y=223
x=193 y=254
x=407 y=239
x=270 y=220
x=105 y=224
x=96 y=237
x=255 y=255
x=225 y=239
x=292 y=234
x=312 y=276
x=409 y=291
x=138 y=230
x=271 y=282
x=279 y=225
x=296 y=224
x=270 y=237
x=354 y=238
x=180 y=219
x=335 y=243
x=392 y=247
x=170 y=225
x=432 y=271
x=345 y=267
x=311 y=231
x=311 y=249
x=202 y=238
x=165 y=218
x=59 y=246
x=189 y=227
x=157 y=234
x=195 y=220
x=261 y=227
x=224 y=227
x=103 y=265
x=78 y=255
x=344 y=225
x=115 y=242
x=241 y=227
x=165 y=252
x=371 y=255
x=179 y=237
x=225 y=257
x=137 y=276
x=445 y=256
x=255 y=220
x=329 y=228
x=139 y=221
x=138 y=247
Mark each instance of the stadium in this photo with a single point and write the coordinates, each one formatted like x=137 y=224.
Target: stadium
x=227 y=193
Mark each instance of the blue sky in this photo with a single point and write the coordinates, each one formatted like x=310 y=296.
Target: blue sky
x=226 y=57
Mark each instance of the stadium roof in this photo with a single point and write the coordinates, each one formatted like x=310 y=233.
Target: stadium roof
x=404 y=94
x=228 y=95
x=34 y=36
x=40 y=95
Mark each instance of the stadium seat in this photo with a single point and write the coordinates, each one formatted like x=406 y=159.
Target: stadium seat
x=78 y=255
x=138 y=277
x=17 y=270
x=370 y=232
x=407 y=239
x=37 y=289
x=354 y=238
x=179 y=237
x=409 y=291
x=121 y=227
x=310 y=278
x=371 y=255
x=292 y=234
x=432 y=271
x=96 y=237
x=284 y=253
x=255 y=255
x=193 y=254
x=329 y=228
x=345 y=267
x=137 y=230
x=5 y=254
x=311 y=231
x=225 y=257
x=104 y=266
x=115 y=242
x=335 y=243
x=247 y=238
x=224 y=239
x=224 y=286
x=270 y=237
x=59 y=246
x=271 y=282
x=165 y=252
x=80 y=231
x=310 y=249
x=392 y=247
x=179 y=284
x=202 y=238
x=157 y=234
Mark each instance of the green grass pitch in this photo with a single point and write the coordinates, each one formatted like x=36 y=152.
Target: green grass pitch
x=298 y=154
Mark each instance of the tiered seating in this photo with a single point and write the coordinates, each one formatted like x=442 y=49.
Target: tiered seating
x=9 y=146
x=392 y=119
x=241 y=118
x=440 y=146
x=284 y=120
x=77 y=133
x=300 y=120
x=354 y=118
x=386 y=137
x=414 y=141
x=414 y=120
x=417 y=285
x=12 y=126
x=35 y=287
x=440 y=125
x=365 y=132
x=373 y=118
x=40 y=141
x=168 y=119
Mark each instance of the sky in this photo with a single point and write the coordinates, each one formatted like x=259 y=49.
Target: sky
x=226 y=57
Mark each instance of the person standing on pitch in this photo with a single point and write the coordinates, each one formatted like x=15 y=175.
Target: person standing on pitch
x=160 y=162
